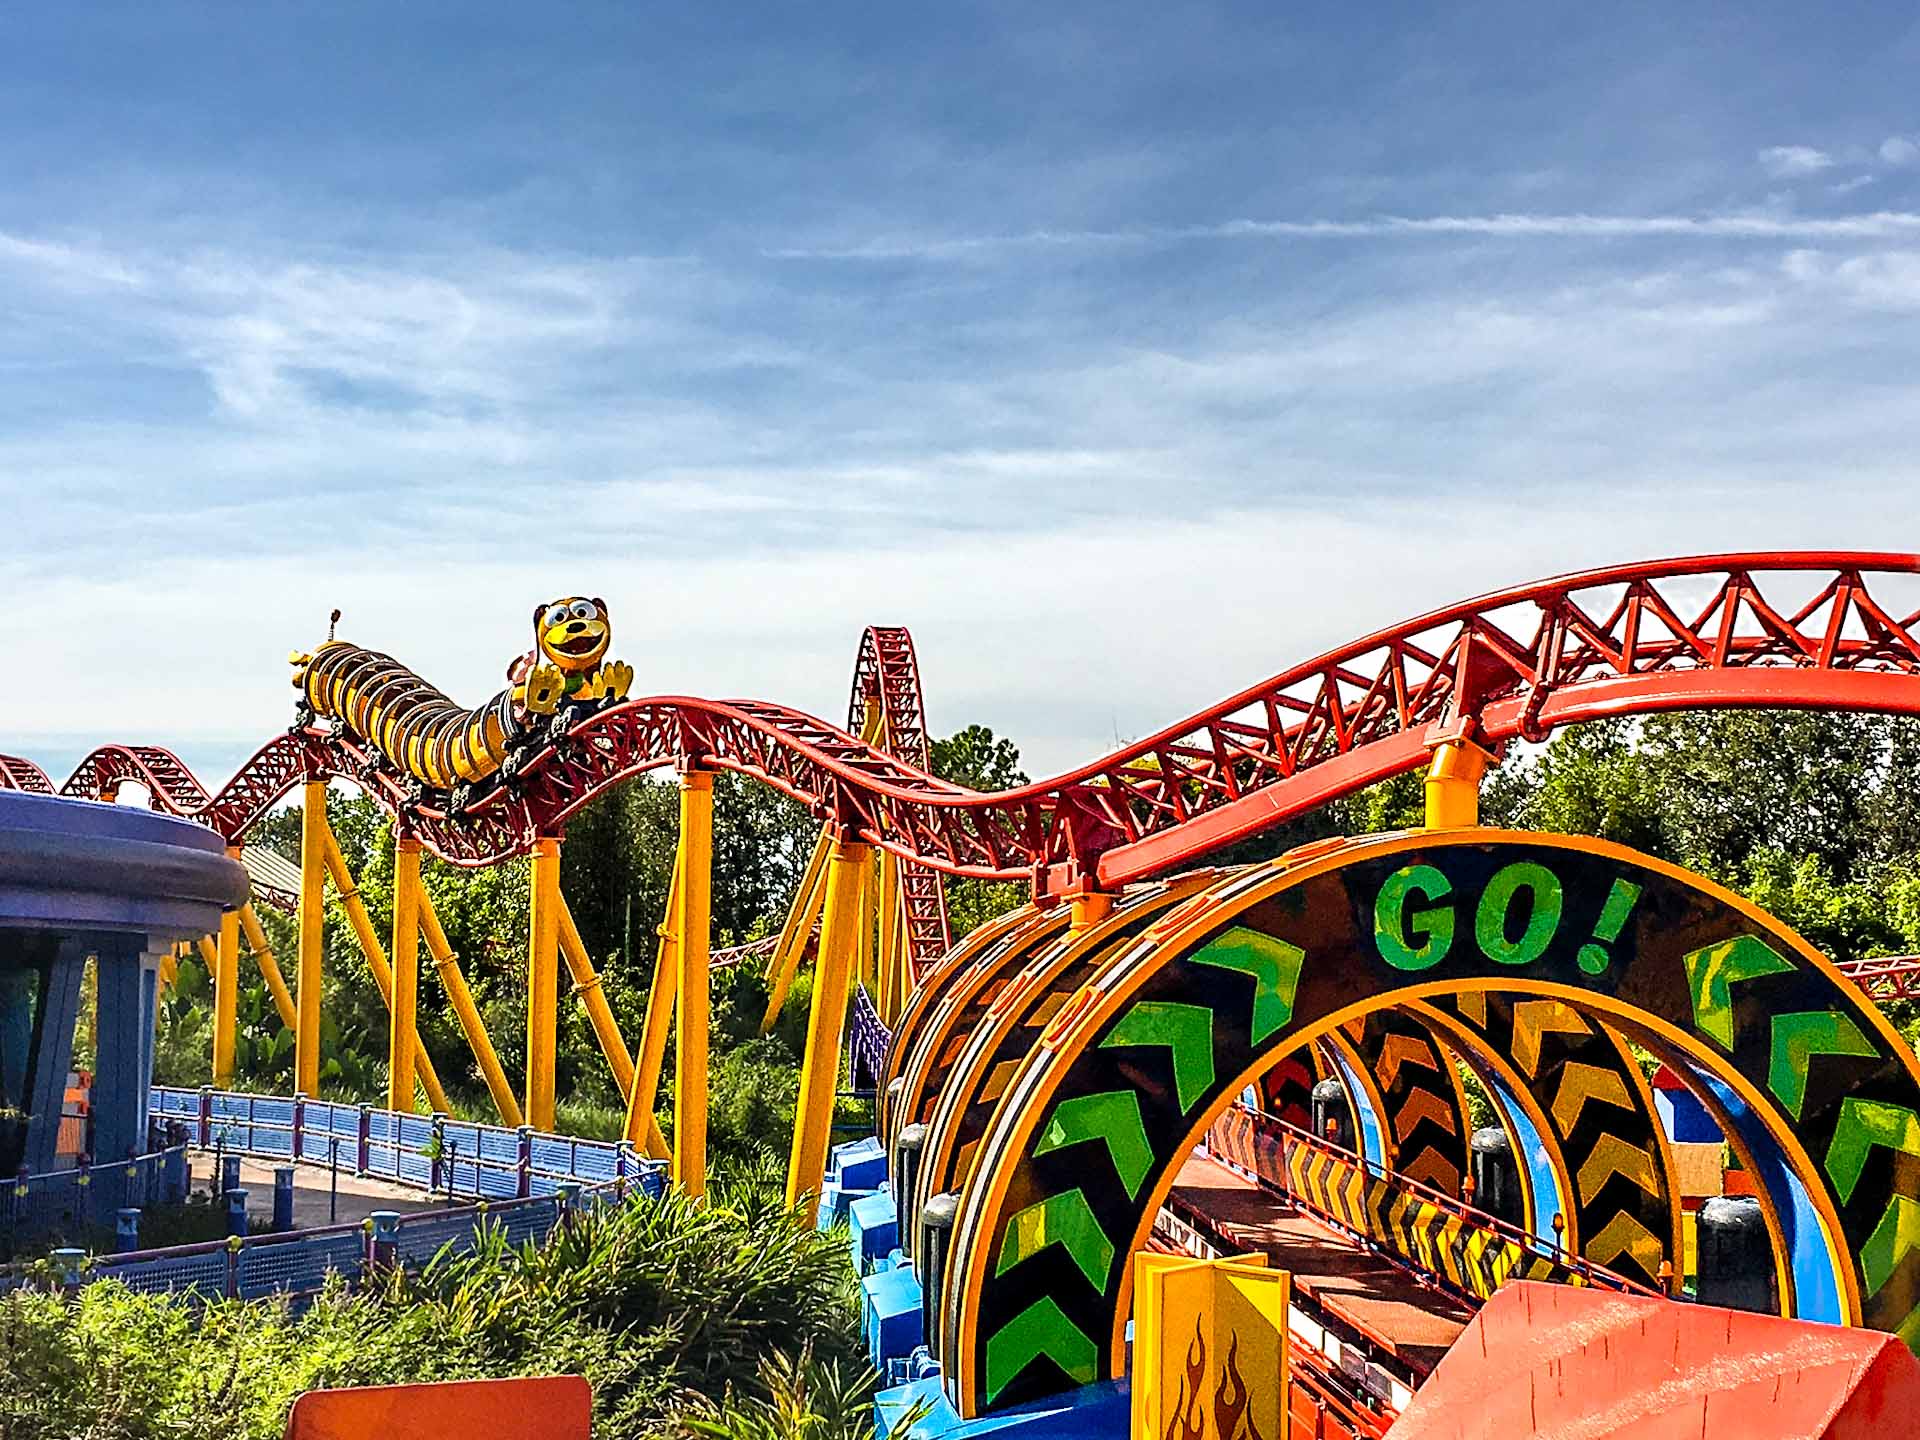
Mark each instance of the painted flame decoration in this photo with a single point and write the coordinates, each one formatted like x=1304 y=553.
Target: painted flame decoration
x=1189 y=1420
x=1230 y=1402
x=1231 y=1399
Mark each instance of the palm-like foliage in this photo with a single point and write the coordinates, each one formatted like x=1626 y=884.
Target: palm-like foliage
x=731 y=1314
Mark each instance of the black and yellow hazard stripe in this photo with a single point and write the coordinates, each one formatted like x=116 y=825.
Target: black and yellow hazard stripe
x=1447 y=1243
x=1585 y=1082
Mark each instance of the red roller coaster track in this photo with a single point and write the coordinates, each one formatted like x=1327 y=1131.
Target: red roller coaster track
x=886 y=676
x=1791 y=629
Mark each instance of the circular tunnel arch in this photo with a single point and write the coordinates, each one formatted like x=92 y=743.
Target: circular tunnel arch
x=1159 y=1044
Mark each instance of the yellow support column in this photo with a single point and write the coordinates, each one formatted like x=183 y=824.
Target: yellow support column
x=693 y=981
x=226 y=991
x=543 y=982
x=1453 y=784
x=869 y=922
x=642 y=1129
x=801 y=919
x=892 y=939
x=269 y=967
x=1089 y=909
x=461 y=998
x=406 y=972
x=586 y=984
x=820 y=1075
x=313 y=937
x=362 y=926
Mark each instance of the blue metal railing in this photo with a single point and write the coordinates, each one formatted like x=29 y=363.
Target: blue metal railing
x=434 y=1153
x=523 y=1183
x=87 y=1196
x=867 y=1042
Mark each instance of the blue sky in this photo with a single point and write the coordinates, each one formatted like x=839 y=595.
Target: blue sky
x=1127 y=353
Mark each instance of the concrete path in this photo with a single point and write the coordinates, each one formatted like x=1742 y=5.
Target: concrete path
x=358 y=1197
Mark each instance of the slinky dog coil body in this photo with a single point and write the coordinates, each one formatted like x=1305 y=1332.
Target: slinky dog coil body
x=427 y=736
x=413 y=724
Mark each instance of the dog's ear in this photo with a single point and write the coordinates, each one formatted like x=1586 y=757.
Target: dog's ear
x=538 y=611
x=600 y=605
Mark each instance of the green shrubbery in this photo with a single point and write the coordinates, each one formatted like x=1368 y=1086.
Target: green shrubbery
x=730 y=1317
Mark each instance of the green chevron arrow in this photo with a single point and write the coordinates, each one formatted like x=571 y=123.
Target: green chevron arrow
x=1712 y=969
x=1273 y=964
x=1066 y=1220
x=1864 y=1124
x=1797 y=1038
x=1186 y=1030
x=1041 y=1329
x=1909 y=1329
x=1896 y=1234
x=1112 y=1116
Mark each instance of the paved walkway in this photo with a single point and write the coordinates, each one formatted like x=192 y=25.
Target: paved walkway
x=1381 y=1300
x=313 y=1203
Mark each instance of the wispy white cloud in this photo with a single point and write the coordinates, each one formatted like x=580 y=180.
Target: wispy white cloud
x=1888 y=281
x=1789 y=162
x=67 y=264
x=1877 y=225
x=1900 y=150
x=460 y=431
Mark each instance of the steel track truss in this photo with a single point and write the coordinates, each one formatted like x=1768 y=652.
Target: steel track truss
x=1809 y=630
x=886 y=677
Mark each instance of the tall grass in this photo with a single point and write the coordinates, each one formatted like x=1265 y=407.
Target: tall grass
x=729 y=1317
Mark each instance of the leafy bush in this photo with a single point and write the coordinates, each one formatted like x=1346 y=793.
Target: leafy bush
x=731 y=1314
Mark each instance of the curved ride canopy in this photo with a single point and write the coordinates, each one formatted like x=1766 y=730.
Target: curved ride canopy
x=1087 y=1143
x=1818 y=629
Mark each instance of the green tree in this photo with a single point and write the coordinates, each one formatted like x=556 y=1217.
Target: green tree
x=1809 y=814
x=980 y=760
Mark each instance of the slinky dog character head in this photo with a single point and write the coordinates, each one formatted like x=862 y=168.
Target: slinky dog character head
x=572 y=633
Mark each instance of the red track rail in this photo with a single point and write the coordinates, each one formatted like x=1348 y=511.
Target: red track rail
x=886 y=675
x=1801 y=630
x=19 y=774
x=1890 y=977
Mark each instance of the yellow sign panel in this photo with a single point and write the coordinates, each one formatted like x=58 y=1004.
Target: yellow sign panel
x=1209 y=1349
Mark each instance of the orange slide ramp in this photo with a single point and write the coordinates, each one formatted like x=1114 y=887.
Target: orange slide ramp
x=550 y=1407
x=1551 y=1360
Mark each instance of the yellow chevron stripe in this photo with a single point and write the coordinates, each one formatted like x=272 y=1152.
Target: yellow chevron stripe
x=1473 y=1260
x=1613 y=1156
x=1422 y=1217
x=1425 y=1105
x=1506 y=1255
x=1533 y=1020
x=1448 y=1243
x=1430 y=1167
x=1399 y=1050
x=1580 y=1083
x=1624 y=1235
x=1355 y=1196
x=1397 y=1231
x=1044 y=1012
x=998 y=1079
x=1379 y=1196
